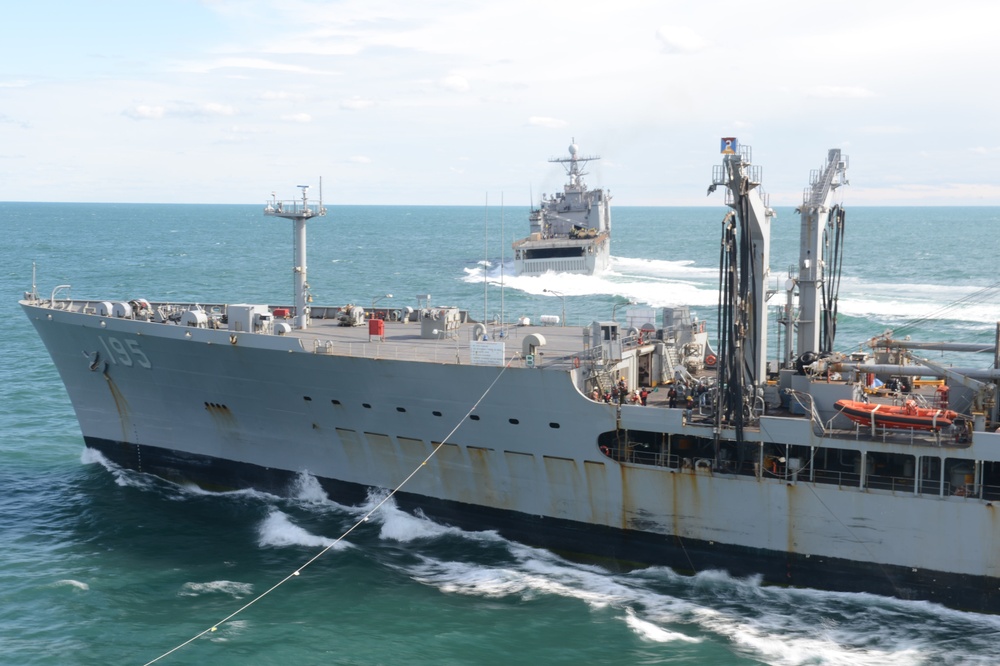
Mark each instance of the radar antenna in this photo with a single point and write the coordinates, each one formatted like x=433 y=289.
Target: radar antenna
x=574 y=165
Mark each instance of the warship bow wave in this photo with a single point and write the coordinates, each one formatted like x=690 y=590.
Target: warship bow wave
x=754 y=469
x=570 y=231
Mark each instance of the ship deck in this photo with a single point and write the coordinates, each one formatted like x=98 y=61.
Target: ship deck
x=403 y=341
x=529 y=242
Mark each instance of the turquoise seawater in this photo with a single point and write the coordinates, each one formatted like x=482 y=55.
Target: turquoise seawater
x=104 y=566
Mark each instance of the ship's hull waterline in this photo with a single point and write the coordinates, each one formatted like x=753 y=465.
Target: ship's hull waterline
x=615 y=548
x=233 y=410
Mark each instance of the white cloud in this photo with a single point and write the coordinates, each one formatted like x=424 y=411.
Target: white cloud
x=839 y=92
x=180 y=109
x=884 y=129
x=145 y=112
x=356 y=104
x=281 y=96
x=319 y=43
x=359 y=159
x=454 y=82
x=298 y=118
x=967 y=193
x=680 y=39
x=216 y=109
x=544 y=121
x=7 y=120
x=260 y=64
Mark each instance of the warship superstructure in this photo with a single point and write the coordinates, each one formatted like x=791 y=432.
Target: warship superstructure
x=570 y=231
x=738 y=462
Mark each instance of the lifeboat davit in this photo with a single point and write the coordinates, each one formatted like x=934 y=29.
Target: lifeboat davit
x=905 y=416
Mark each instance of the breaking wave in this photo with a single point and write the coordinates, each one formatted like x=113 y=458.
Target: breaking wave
x=661 y=283
x=775 y=625
x=75 y=584
x=277 y=530
x=656 y=283
x=227 y=587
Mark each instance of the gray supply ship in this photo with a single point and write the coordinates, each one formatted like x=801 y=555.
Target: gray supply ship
x=570 y=231
x=759 y=468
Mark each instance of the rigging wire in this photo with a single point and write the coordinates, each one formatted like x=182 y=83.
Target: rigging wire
x=727 y=369
x=351 y=529
x=749 y=292
x=975 y=297
x=831 y=289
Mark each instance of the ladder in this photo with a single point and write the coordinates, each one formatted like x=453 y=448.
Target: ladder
x=604 y=381
x=672 y=360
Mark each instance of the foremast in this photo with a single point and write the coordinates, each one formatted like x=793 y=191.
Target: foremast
x=744 y=270
x=298 y=212
x=575 y=192
x=820 y=256
x=574 y=165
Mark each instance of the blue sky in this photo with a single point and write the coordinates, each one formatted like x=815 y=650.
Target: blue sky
x=442 y=102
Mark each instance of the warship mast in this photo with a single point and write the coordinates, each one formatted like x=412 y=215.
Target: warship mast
x=298 y=213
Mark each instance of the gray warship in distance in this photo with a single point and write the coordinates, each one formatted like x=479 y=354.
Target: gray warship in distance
x=570 y=231
x=759 y=472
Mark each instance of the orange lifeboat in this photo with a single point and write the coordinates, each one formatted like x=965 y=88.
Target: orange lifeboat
x=905 y=416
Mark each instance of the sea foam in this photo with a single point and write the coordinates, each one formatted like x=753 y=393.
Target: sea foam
x=228 y=587
x=277 y=530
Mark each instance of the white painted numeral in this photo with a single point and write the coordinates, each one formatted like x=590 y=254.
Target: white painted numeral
x=140 y=356
x=126 y=354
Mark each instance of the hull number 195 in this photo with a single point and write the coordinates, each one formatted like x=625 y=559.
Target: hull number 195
x=126 y=353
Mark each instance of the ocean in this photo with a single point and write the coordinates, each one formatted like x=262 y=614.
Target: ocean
x=106 y=566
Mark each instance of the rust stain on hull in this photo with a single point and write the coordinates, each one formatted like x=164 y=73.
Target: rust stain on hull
x=221 y=414
x=121 y=406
